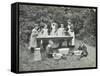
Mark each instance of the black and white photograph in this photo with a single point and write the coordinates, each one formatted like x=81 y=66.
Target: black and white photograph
x=55 y=37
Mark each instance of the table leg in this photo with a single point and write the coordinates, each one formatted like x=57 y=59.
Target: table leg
x=67 y=43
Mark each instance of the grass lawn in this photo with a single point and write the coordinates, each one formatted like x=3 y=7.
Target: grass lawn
x=26 y=62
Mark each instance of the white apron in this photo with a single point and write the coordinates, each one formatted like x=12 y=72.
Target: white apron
x=33 y=40
x=73 y=35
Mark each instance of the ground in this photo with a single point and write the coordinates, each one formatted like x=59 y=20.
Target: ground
x=26 y=62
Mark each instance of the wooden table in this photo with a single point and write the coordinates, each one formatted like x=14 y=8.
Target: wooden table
x=60 y=38
x=54 y=37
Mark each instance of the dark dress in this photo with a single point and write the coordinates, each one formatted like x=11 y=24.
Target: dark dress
x=84 y=51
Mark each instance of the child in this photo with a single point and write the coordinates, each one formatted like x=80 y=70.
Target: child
x=51 y=47
x=33 y=41
x=45 y=30
x=54 y=29
x=61 y=31
x=83 y=48
x=71 y=32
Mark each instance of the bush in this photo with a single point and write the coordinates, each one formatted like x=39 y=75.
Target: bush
x=83 y=19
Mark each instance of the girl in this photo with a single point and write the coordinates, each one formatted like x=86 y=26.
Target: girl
x=83 y=48
x=33 y=41
x=61 y=31
x=45 y=30
x=54 y=29
x=71 y=32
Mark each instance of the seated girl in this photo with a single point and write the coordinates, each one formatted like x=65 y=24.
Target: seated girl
x=81 y=51
x=51 y=47
x=83 y=48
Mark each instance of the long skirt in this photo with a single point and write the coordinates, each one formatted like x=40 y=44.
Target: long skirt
x=33 y=42
x=73 y=40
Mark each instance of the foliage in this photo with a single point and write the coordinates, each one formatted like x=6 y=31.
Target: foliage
x=83 y=19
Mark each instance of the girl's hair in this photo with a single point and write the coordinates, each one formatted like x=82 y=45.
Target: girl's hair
x=35 y=25
x=45 y=25
x=69 y=20
x=81 y=42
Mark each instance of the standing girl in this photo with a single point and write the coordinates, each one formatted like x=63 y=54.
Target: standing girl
x=54 y=29
x=33 y=40
x=45 y=30
x=71 y=32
